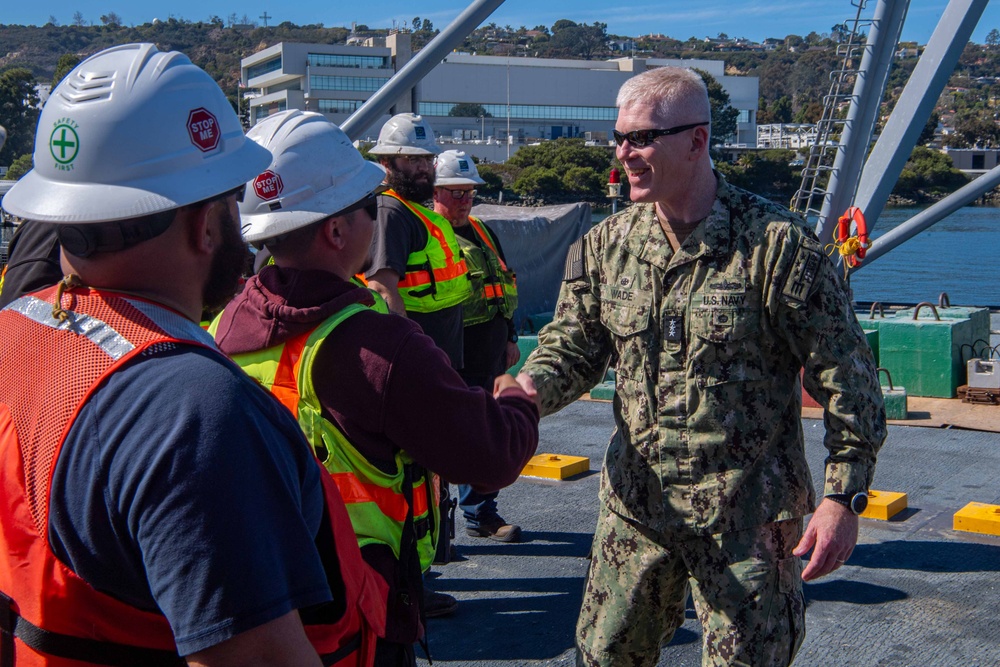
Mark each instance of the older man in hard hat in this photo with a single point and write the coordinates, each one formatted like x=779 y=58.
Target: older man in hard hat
x=490 y=345
x=157 y=503
x=368 y=387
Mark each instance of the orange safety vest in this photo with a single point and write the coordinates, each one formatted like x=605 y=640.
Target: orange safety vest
x=436 y=275
x=51 y=617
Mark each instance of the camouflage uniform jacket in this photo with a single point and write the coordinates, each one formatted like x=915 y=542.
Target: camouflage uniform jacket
x=707 y=344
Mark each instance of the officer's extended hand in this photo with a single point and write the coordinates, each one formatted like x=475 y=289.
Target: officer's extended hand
x=528 y=385
x=831 y=535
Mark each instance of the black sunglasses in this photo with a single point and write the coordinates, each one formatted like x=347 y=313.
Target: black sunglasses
x=460 y=195
x=369 y=203
x=640 y=138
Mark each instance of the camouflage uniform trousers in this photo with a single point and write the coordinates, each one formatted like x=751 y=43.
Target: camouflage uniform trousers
x=746 y=586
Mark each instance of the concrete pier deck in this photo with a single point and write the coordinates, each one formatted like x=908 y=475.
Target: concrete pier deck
x=915 y=592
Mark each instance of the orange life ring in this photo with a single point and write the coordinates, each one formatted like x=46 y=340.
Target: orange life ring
x=853 y=214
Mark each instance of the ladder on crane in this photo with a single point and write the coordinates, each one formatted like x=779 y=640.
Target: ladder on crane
x=808 y=199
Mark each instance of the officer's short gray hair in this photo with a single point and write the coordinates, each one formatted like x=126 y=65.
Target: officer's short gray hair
x=668 y=88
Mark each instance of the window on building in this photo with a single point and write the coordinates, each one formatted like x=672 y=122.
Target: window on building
x=528 y=111
x=362 y=83
x=339 y=106
x=337 y=60
x=265 y=67
x=979 y=161
x=745 y=116
x=266 y=110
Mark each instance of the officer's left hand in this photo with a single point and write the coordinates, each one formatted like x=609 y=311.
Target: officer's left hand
x=831 y=535
x=513 y=354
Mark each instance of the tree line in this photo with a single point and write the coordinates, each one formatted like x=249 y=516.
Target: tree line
x=793 y=73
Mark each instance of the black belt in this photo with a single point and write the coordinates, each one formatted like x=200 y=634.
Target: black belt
x=342 y=652
x=93 y=651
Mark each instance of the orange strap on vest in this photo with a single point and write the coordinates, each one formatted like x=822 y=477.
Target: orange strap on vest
x=484 y=235
x=286 y=377
x=393 y=505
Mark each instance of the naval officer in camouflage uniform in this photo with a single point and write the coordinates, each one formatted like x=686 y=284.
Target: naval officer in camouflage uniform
x=708 y=300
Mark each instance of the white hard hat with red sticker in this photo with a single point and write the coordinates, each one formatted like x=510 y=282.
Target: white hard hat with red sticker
x=316 y=172
x=129 y=132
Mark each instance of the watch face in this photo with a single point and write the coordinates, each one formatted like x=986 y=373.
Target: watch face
x=859 y=503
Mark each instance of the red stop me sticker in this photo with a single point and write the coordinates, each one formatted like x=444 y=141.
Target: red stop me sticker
x=203 y=128
x=268 y=185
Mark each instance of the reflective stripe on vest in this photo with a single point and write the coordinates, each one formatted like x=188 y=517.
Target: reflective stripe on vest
x=494 y=285
x=375 y=499
x=60 y=620
x=436 y=275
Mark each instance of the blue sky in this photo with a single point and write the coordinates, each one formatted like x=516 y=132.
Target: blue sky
x=753 y=19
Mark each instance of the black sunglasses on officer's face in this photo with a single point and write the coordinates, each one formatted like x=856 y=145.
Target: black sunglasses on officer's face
x=369 y=203
x=640 y=138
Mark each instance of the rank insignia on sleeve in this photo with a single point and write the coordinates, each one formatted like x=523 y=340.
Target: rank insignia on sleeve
x=805 y=267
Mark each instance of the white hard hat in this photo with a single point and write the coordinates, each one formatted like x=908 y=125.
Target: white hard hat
x=456 y=168
x=405 y=134
x=316 y=172
x=129 y=132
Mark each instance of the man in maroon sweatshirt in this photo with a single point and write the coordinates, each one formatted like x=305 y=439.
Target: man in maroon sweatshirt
x=377 y=398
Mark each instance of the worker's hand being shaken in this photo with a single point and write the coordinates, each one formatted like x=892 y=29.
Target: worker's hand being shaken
x=507 y=381
x=528 y=385
x=503 y=382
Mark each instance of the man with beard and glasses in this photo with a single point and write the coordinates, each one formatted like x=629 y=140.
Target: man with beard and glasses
x=418 y=267
x=361 y=382
x=157 y=502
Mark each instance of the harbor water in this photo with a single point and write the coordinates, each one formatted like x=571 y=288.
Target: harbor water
x=957 y=256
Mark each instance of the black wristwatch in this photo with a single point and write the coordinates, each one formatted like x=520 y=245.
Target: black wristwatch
x=855 y=502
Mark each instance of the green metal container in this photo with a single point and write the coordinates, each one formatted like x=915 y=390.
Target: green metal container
x=979 y=316
x=537 y=321
x=925 y=355
x=872 y=336
x=525 y=344
x=893 y=397
x=871 y=318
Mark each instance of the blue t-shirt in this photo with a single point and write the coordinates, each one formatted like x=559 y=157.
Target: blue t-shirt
x=184 y=488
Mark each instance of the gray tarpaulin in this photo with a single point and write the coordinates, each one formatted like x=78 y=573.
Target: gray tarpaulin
x=535 y=241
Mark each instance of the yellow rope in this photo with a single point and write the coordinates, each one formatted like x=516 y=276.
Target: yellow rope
x=848 y=250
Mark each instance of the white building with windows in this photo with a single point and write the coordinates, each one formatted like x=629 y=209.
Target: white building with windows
x=793 y=136
x=524 y=99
